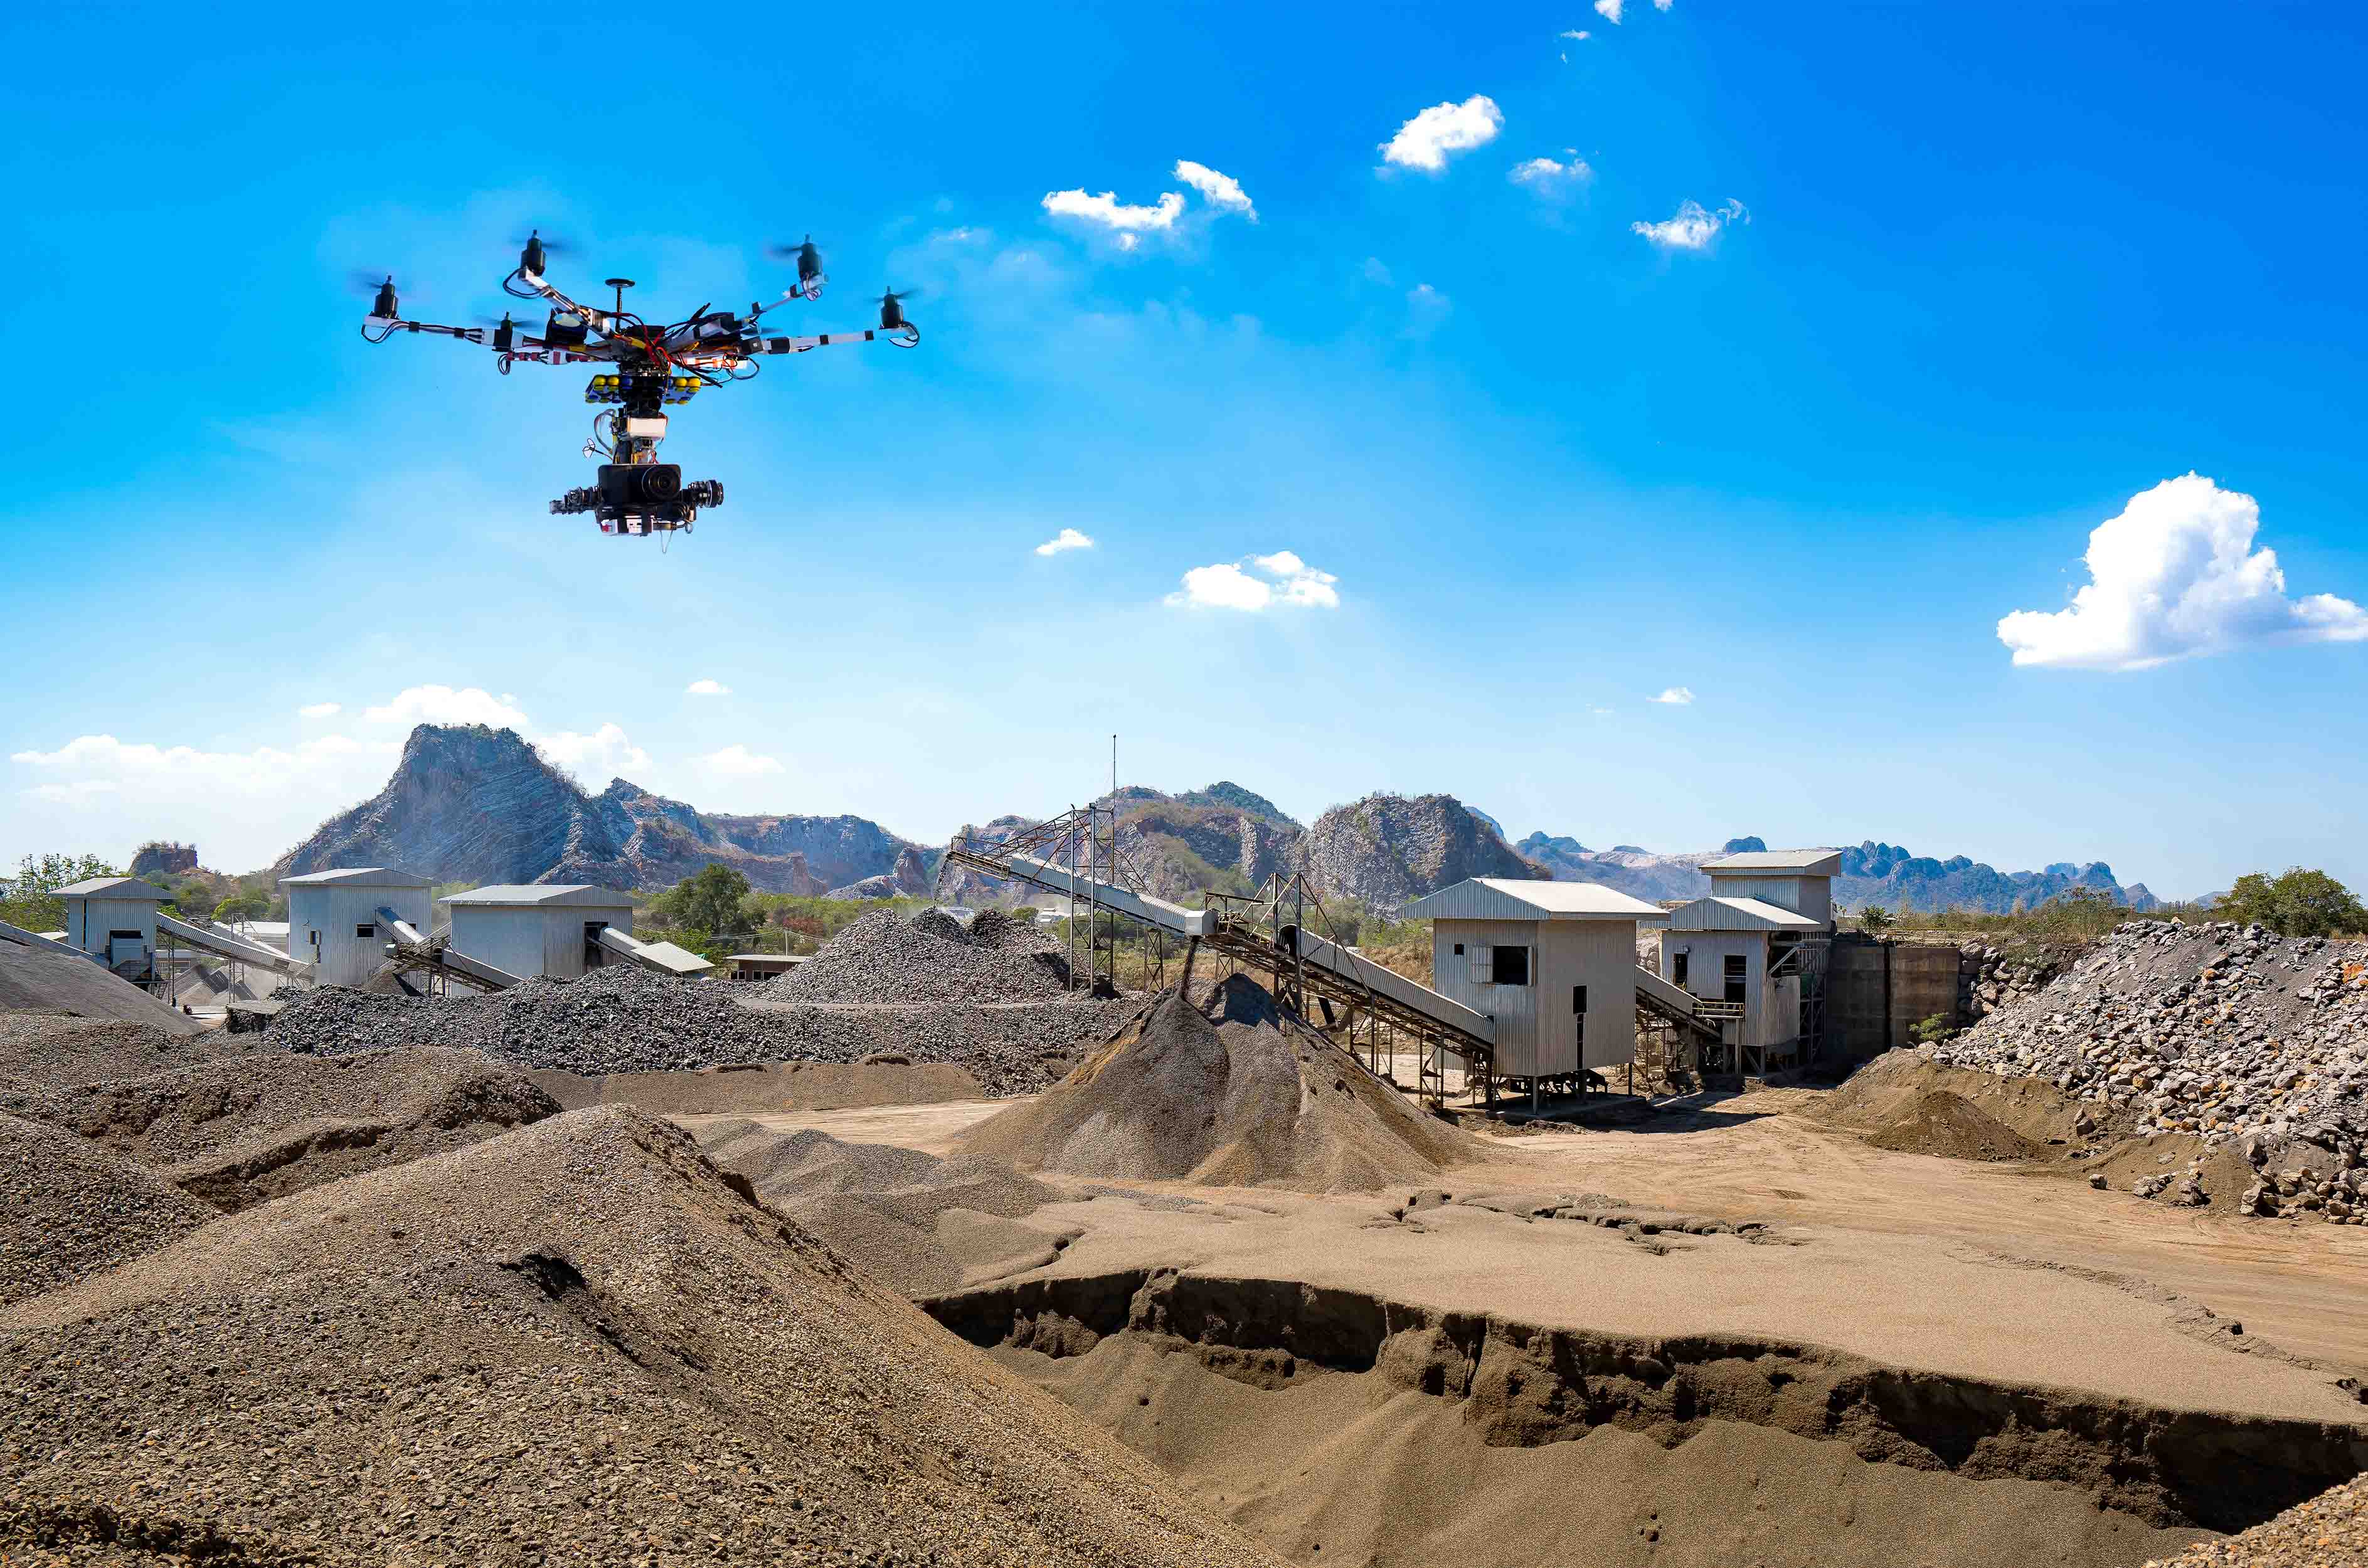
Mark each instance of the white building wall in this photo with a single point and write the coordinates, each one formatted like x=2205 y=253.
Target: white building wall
x=88 y=920
x=1537 y=1032
x=1812 y=896
x=1771 y=1014
x=546 y=940
x=323 y=923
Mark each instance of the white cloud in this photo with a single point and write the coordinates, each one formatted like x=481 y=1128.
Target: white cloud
x=737 y=761
x=443 y=705
x=1067 y=538
x=1282 y=578
x=1550 y=178
x=1221 y=192
x=1426 y=141
x=707 y=689
x=1375 y=270
x=144 y=772
x=1695 y=226
x=2177 y=575
x=317 y=710
x=1663 y=4
x=1426 y=308
x=1599 y=712
x=605 y=750
x=1609 y=10
x=1128 y=223
x=1578 y=35
x=1676 y=696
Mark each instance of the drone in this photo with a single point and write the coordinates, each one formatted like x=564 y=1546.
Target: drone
x=654 y=366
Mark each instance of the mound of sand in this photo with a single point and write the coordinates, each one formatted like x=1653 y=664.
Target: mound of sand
x=236 y=1132
x=922 y=1224
x=573 y=1343
x=1938 y=1122
x=1226 y=1092
x=69 y=1210
x=39 y=980
x=59 y=1052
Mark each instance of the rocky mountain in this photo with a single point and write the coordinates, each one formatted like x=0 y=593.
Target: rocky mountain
x=1223 y=838
x=1871 y=873
x=1385 y=849
x=471 y=803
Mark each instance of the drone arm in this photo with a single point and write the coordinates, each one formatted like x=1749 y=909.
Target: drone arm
x=904 y=336
x=602 y=321
x=378 y=329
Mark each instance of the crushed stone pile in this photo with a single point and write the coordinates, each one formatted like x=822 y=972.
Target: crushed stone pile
x=882 y=957
x=625 y=1019
x=1225 y=1091
x=2227 y=1033
x=239 y=1132
x=921 y=1224
x=2329 y=1530
x=577 y=1344
x=59 y=1051
x=1955 y=1128
x=39 y=980
x=69 y=1210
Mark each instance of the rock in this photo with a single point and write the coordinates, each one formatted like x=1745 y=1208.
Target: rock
x=2097 y=1179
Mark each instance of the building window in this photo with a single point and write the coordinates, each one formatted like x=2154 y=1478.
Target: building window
x=1459 y=950
x=1512 y=966
x=1578 y=1010
x=1677 y=971
x=364 y=933
x=1733 y=964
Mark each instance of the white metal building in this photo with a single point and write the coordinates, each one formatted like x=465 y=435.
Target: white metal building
x=1753 y=946
x=538 y=929
x=1552 y=963
x=114 y=919
x=334 y=922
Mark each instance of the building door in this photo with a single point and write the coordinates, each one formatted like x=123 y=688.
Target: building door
x=1733 y=967
x=1578 y=1019
x=1677 y=971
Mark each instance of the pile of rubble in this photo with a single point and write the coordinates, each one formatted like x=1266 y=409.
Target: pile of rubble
x=1990 y=977
x=931 y=957
x=2222 y=1032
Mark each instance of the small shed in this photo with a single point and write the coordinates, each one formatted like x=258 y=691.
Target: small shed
x=1755 y=950
x=334 y=922
x=1552 y=963
x=1799 y=879
x=114 y=920
x=552 y=930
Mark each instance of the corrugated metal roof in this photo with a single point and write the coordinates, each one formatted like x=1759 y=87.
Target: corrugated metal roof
x=1737 y=914
x=359 y=877
x=1502 y=898
x=530 y=895
x=114 y=886
x=1808 y=862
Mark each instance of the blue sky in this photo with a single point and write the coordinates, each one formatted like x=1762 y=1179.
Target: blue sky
x=1518 y=457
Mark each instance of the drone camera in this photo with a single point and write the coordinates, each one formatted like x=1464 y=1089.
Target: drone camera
x=633 y=486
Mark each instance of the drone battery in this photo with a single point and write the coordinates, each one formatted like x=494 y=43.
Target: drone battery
x=565 y=330
x=647 y=428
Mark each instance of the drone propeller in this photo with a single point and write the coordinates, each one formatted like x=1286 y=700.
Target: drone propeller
x=534 y=251
x=892 y=315
x=377 y=288
x=809 y=258
x=551 y=244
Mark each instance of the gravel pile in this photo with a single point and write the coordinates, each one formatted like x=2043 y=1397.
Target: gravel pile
x=1225 y=1091
x=2329 y=1530
x=69 y=1210
x=41 y=979
x=931 y=957
x=575 y=1344
x=2227 y=1033
x=237 y=1132
x=60 y=1051
x=625 y=1019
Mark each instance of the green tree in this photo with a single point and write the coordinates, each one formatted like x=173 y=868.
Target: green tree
x=710 y=901
x=1873 y=917
x=32 y=902
x=248 y=905
x=2298 y=904
x=1936 y=1027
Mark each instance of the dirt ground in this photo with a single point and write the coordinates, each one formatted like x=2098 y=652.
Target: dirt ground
x=2004 y=1270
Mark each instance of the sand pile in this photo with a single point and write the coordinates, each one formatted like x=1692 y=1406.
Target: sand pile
x=60 y=1051
x=69 y=1209
x=1228 y=1093
x=39 y=980
x=237 y=1132
x=931 y=957
x=2329 y=1530
x=921 y=1224
x=1955 y=1128
x=573 y=1344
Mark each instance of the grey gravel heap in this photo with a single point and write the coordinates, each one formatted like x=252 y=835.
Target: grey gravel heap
x=621 y=1019
x=2227 y=1033
x=884 y=957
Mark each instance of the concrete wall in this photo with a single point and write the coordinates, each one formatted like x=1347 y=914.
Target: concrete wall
x=1537 y=1032
x=546 y=940
x=322 y=921
x=1877 y=990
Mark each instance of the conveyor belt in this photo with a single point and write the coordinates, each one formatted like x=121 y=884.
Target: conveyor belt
x=1673 y=1003
x=236 y=949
